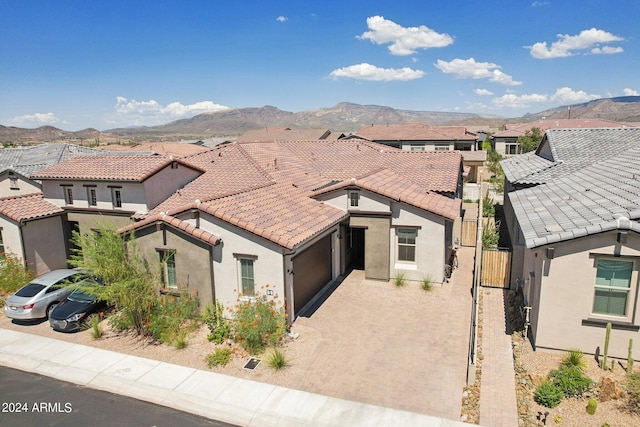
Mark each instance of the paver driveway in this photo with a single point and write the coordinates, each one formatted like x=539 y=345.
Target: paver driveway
x=402 y=348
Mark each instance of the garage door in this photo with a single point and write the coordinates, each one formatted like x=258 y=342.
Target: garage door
x=312 y=270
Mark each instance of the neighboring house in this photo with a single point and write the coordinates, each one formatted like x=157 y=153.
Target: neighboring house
x=33 y=230
x=288 y=134
x=17 y=165
x=572 y=210
x=285 y=219
x=506 y=142
x=421 y=137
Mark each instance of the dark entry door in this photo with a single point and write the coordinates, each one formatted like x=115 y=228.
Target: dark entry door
x=357 y=247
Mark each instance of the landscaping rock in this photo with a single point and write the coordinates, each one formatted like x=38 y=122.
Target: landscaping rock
x=610 y=389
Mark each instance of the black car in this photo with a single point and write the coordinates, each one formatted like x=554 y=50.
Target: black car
x=69 y=315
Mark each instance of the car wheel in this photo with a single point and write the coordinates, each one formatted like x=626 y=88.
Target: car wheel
x=50 y=308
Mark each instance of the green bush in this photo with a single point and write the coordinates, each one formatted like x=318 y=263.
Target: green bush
x=574 y=358
x=592 y=406
x=427 y=284
x=548 y=394
x=277 y=359
x=13 y=274
x=172 y=318
x=219 y=328
x=570 y=380
x=633 y=389
x=488 y=207
x=399 y=280
x=221 y=357
x=257 y=323
x=96 y=329
x=491 y=236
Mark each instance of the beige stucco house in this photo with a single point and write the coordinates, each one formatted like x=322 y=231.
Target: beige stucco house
x=572 y=210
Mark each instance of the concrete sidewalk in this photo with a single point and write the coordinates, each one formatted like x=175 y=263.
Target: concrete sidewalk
x=220 y=397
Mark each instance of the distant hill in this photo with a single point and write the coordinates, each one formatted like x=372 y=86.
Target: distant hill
x=344 y=117
x=620 y=109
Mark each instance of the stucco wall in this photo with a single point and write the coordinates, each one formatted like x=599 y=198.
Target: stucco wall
x=192 y=257
x=90 y=220
x=430 y=243
x=132 y=194
x=24 y=185
x=368 y=201
x=165 y=182
x=11 y=237
x=376 y=245
x=567 y=295
x=44 y=243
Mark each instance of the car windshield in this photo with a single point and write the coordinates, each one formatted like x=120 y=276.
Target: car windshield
x=30 y=290
x=78 y=295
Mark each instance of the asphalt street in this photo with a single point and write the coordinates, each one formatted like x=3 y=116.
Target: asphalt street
x=28 y=399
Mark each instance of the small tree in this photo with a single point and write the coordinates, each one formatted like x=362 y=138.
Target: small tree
x=491 y=236
x=530 y=140
x=116 y=261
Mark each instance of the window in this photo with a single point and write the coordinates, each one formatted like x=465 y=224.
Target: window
x=247 y=279
x=116 y=197
x=416 y=147
x=1 y=242
x=441 y=147
x=91 y=196
x=68 y=195
x=612 y=287
x=511 y=149
x=407 y=244
x=13 y=181
x=354 y=199
x=168 y=271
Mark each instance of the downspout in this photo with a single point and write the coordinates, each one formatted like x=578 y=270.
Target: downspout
x=22 y=224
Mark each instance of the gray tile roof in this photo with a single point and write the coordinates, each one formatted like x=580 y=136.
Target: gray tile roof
x=30 y=160
x=595 y=187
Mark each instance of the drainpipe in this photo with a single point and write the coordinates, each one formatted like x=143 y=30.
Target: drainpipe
x=21 y=225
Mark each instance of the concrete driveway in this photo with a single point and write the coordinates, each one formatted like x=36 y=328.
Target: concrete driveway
x=402 y=348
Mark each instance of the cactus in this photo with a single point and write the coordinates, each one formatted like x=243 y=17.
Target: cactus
x=603 y=363
x=591 y=406
x=630 y=357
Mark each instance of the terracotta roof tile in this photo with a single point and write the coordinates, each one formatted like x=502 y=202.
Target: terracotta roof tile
x=27 y=207
x=177 y=223
x=111 y=168
x=415 y=132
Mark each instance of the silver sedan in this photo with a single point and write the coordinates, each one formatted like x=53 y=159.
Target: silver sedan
x=36 y=299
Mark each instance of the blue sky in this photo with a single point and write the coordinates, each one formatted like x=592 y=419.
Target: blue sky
x=107 y=64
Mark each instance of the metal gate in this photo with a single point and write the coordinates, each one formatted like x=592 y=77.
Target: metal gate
x=496 y=265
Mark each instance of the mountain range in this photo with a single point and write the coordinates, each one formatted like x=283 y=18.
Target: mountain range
x=344 y=117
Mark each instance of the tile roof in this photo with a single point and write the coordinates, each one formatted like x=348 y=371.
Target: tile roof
x=595 y=186
x=108 y=168
x=516 y=130
x=175 y=149
x=27 y=161
x=415 y=132
x=176 y=223
x=27 y=207
x=286 y=134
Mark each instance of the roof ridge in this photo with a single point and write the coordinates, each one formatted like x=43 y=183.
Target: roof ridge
x=21 y=196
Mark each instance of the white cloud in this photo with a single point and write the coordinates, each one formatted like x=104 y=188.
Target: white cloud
x=470 y=69
x=630 y=92
x=567 y=95
x=282 y=18
x=37 y=119
x=404 y=40
x=152 y=112
x=570 y=45
x=370 y=72
x=511 y=100
x=483 y=92
x=539 y=3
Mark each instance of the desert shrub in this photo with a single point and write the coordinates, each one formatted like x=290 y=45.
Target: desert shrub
x=427 y=283
x=548 y=394
x=277 y=359
x=94 y=324
x=488 y=207
x=491 y=236
x=633 y=389
x=13 y=274
x=399 y=279
x=219 y=328
x=257 y=323
x=574 y=358
x=220 y=357
x=592 y=406
x=570 y=380
x=173 y=317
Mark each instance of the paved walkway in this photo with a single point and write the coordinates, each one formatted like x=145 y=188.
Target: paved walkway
x=212 y=395
x=498 y=407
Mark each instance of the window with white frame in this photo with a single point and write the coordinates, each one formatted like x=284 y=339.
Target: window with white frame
x=417 y=147
x=612 y=287
x=247 y=278
x=68 y=194
x=116 y=197
x=511 y=149
x=441 y=147
x=168 y=268
x=91 y=196
x=407 y=244
x=354 y=199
